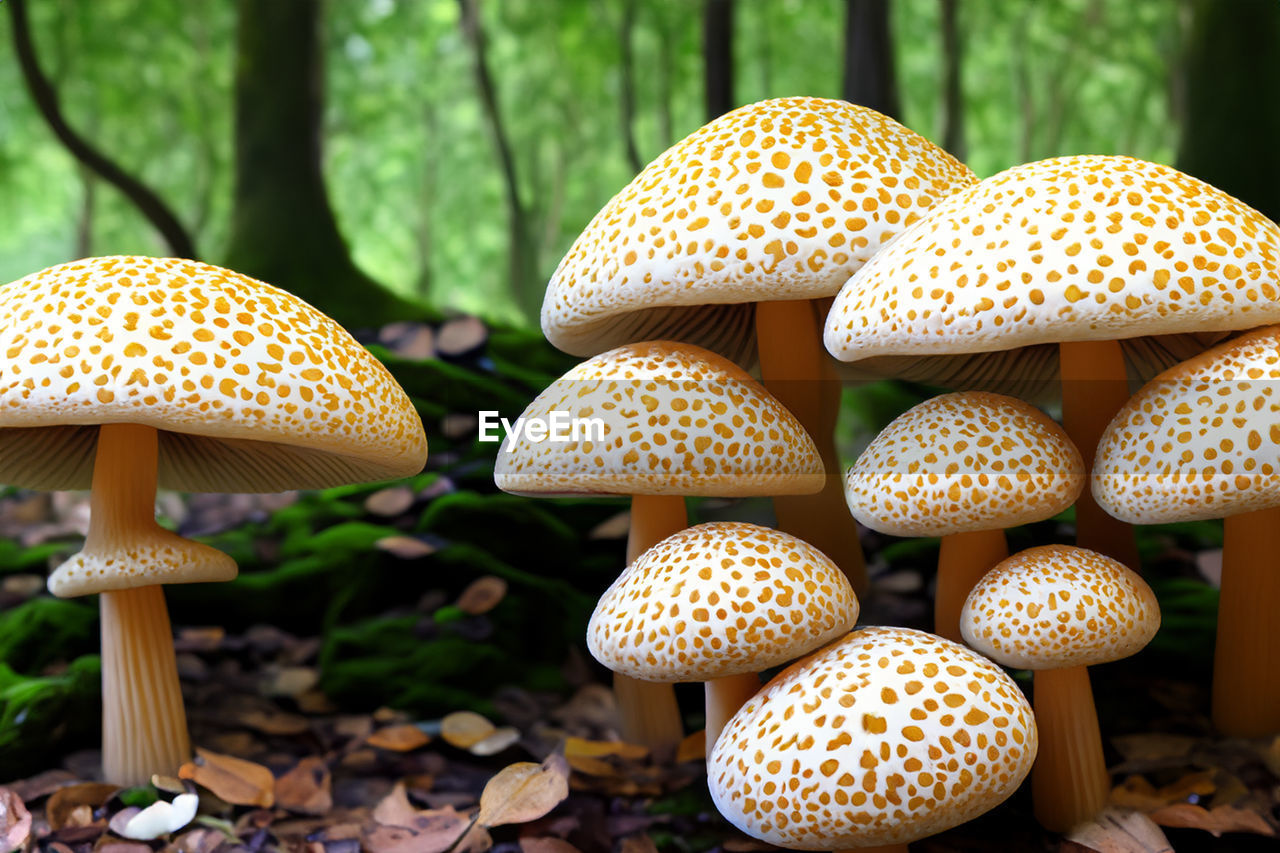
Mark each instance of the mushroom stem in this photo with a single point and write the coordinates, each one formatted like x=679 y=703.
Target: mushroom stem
x=797 y=370
x=1246 y=663
x=724 y=697
x=648 y=711
x=963 y=558
x=1069 y=782
x=1094 y=387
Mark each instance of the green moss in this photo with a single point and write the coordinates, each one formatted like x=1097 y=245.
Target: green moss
x=43 y=630
x=37 y=714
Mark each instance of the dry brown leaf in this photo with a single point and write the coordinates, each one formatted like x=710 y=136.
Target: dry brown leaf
x=392 y=500
x=288 y=681
x=1117 y=831
x=465 y=728
x=461 y=335
x=482 y=595
x=402 y=738
x=524 y=791
x=499 y=740
x=43 y=784
x=397 y=827
x=1137 y=793
x=307 y=788
x=239 y=782
x=15 y=821
x=61 y=807
x=692 y=748
x=576 y=746
x=1215 y=821
x=546 y=844
x=404 y=547
x=274 y=722
x=592 y=766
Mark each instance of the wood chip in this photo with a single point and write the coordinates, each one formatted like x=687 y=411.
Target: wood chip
x=239 y=782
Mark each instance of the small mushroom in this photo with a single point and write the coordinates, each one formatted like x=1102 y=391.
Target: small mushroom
x=964 y=466
x=883 y=737
x=719 y=603
x=1057 y=610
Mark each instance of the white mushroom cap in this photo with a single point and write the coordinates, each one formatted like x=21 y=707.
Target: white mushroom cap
x=1068 y=249
x=1202 y=440
x=782 y=199
x=962 y=462
x=1058 y=606
x=883 y=737
x=717 y=600
x=251 y=388
x=677 y=420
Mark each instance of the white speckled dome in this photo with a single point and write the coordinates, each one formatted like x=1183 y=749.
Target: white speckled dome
x=720 y=599
x=883 y=737
x=782 y=199
x=678 y=420
x=251 y=388
x=1068 y=249
x=1058 y=606
x=1202 y=440
x=962 y=462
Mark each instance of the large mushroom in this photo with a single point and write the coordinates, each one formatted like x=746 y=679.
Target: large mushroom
x=125 y=372
x=1063 y=268
x=733 y=239
x=1202 y=440
x=671 y=420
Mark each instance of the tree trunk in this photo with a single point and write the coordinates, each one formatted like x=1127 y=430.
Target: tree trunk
x=283 y=229
x=952 y=84
x=869 y=78
x=1231 y=77
x=717 y=52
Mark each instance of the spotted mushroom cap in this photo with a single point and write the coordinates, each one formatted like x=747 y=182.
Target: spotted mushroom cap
x=720 y=599
x=782 y=199
x=1068 y=249
x=676 y=420
x=883 y=737
x=1202 y=440
x=252 y=389
x=1059 y=606
x=962 y=462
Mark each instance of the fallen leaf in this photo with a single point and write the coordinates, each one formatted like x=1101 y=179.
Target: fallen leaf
x=1215 y=821
x=239 y=782
x=524 y=791
x=392 y=500
x=576 y=746
x=404 y=547
x=637 y=844
x=402 y=738
x=482 y=595
x=693 y=747
x=461 y=335
x=15 y=821
x=288 y=681
x=592 y=766
x=65 y=801
x=1116 y=831
x=464 y=728
x=43 y=784
x=114 y=846
x=499 y=740
x=274 y=722
x=306 y=788
x=1137 y=793
x=397 y=827
x=546 y=844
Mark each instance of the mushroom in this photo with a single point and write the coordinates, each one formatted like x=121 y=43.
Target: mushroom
x=1063 y=267
x=883 y=737
x=719 y=603
x=122 y=372
x=673 y=420
x=1056 y=610
x=964 y=466
x=733 y=239
x=1201 y=441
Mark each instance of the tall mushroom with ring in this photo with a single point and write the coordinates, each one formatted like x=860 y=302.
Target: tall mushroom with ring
x=125 y=372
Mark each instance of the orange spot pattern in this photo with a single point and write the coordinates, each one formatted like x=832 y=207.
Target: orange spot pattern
x=717 y=600
x=678 y=420
x=962 y=462
x=188 y=347
x=782 y=199
x=1201 y=440
x=1074 y=248
x=1058 y=606
x=883 y=737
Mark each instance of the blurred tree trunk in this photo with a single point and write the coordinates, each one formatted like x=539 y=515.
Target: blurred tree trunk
x=717 y=52
x=869 y=78
x=952 y=82
x=522 y=253
x=283 y=229
x=1231 y=79
x=628 y=99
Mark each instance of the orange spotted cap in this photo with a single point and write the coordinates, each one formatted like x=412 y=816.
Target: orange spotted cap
x=1068 y=249
x=963 y=462
x=883 y=737
x=251 y=388
x=1059 y=606
x=661 y=418
x=1202 y=440
x=717 y=600
x=782 y=199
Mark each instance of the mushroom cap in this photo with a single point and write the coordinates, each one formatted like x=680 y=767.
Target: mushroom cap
x=1202 y=440
x=882 y=737
x=962 y=462
x=781 y=199
x=1059 y=606
x=1069 y=249
x=251 y=388
x=677 y=420
x=717 y=600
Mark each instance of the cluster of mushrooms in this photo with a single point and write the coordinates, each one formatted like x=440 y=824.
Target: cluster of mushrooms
x=793 y=230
